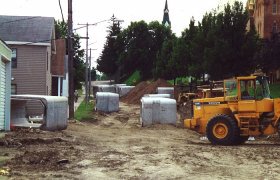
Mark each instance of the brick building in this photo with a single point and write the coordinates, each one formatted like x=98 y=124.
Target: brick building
x=265 y=16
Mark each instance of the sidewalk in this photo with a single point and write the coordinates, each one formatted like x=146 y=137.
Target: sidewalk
x=80 y=100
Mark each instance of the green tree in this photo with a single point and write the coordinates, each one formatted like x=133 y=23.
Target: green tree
x=165 y=63
x=187 y=53
x=180 y=59
x=159 y=33
x=139 y=45
x=135 y=52
x=93 y=74
x=78 y=64
x=229 y=49
x=108 y=61
x=268 y=56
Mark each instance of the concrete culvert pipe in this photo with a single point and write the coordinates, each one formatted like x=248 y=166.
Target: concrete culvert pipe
x=158 y=95
x=107 y=102
x=103 y=88
x=166 y=90
x=117 y=87
x=123 y=90
x=156 y=110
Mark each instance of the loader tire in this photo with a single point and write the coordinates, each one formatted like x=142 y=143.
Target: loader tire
x=222 y=130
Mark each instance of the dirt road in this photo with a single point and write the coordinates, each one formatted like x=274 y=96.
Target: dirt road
x=114 y=146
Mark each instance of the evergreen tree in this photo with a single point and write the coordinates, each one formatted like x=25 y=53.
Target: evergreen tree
x=229 y=49
x=108 y=60
x=268 y=56
x=165 y=63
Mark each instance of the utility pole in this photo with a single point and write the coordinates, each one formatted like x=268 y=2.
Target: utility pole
x=89 y=82
x=87 y=86
x=86 y=70
x=86 y=78
x=70 y=61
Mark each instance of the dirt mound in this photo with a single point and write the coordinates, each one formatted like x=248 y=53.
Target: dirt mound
x=145 y=87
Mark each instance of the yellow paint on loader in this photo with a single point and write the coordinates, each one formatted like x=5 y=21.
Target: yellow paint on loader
x=245 y=110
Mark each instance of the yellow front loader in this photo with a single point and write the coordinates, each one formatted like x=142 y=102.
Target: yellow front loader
x=246 y=109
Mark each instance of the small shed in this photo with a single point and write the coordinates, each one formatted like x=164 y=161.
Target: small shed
x=5 y=85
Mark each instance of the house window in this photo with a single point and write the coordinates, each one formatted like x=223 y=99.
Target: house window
x=14 y=58
x=274 y=27
x=260 y=27
x=274 y=7
x=13 y=89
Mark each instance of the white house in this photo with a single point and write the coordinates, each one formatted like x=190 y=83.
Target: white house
x=5 y=85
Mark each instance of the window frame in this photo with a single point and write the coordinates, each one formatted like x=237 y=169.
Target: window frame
x=274 y=27
x=15 y=85
x=274 y=7
x=14 y=59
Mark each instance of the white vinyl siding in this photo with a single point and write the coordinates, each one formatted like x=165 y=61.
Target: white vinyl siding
x=2 y=94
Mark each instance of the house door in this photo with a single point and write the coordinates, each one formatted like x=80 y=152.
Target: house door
x=2 y=94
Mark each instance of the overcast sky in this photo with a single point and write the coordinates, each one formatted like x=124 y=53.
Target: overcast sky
x=92 y=11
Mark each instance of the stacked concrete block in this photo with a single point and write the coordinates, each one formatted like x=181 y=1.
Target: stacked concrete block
x=117 y=86
x=123 y=90
x=107 y=102
x=157 y=110
x=103 y=88
x=158 y=95
x=166 y=90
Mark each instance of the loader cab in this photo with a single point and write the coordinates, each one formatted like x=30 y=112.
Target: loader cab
x=251 y=93
x=253 y=88
x=246 y=88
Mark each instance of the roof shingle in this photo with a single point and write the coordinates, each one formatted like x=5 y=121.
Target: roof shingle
x=26 y=28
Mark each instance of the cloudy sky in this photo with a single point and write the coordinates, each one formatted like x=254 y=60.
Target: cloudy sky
x=92 y=11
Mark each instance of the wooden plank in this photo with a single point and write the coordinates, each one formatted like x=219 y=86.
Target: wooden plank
x=2 y=94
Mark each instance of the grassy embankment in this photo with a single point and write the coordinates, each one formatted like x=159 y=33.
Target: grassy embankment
x=133 y=79
x=84 y=111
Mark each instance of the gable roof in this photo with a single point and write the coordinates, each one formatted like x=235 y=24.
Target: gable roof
x=26 y=28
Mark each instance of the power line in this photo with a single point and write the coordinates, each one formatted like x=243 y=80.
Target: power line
x=87 y=85
x=85 y=25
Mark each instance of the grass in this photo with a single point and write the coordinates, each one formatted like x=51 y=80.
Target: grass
x=133 y=79
x=275 y=90
x=80 y=92
x=84 y=112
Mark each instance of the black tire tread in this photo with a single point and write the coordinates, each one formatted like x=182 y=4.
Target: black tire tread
x=233 y=136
